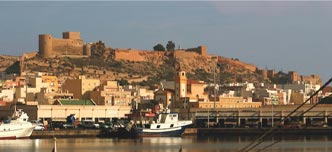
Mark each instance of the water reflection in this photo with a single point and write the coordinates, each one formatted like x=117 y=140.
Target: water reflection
x=170 y=144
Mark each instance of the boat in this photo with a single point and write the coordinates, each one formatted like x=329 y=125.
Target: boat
x=166 y=124
x=16 y=128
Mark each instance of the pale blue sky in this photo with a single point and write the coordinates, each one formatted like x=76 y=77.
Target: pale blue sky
x=276 y=35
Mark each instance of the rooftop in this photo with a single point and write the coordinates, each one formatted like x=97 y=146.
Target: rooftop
x=76 y=102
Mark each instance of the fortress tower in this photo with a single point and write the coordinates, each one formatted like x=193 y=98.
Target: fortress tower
x=293 y=76
x=87 y=49
x=45 y=45
x=71 y=35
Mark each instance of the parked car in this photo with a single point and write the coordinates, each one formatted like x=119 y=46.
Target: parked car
x=39 y=127
x=89 y=124
x=68 y=125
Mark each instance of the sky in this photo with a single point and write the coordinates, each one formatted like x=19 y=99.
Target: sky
x=280 y=35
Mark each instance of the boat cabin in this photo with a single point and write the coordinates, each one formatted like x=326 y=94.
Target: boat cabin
x=167 y=118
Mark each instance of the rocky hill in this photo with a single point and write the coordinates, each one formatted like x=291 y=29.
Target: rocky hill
x=7 y=61
x=146 y=67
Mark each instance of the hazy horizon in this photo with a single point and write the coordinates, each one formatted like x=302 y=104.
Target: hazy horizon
x=284 y=36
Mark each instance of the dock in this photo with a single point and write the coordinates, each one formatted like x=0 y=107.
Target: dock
x=199 y=132
x=72 y=133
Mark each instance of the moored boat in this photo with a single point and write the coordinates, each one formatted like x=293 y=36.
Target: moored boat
x=19 y=127
x=166 y=124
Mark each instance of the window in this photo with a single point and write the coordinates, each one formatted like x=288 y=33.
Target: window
x=158 y=126
x=172 y=125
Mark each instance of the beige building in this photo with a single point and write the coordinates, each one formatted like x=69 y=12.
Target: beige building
x=80 y=87
x=36 y=83
x=111 y=94
x=145 y=94
x=190 y=94
x=188 y=91
x=52 y=81
x=6 y=95
x=195 y=91
x=48 y=98
x=297 y=97
x=164 y=97
x=227 y=102
x=60 y=112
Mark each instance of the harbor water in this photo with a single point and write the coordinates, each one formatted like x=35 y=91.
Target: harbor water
x=169 y=144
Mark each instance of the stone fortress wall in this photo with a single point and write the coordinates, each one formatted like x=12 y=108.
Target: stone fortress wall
x=70 y=44
x=155 y=57
x=250 y=67
x=151 y=56
x=292 y=76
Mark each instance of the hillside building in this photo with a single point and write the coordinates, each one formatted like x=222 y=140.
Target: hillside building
x=80 y=87
x=6 y=95
x=27 y=93
x=111 y=94
x=164 y=97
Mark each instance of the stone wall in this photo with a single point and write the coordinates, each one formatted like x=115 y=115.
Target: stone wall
x=250 y=67
x=313 y=79
x=184 y=54
x=139 y=55
x=201 y=50
x=67 y=47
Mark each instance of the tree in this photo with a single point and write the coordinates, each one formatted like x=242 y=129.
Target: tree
x=170 y=46
x=159 y=47
x=98 y=49
x=123 y=82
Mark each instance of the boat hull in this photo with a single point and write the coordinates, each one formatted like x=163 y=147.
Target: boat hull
x=171 y=132
x=15 y=132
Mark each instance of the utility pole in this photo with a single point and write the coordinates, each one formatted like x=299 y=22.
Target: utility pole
x=272 y=116
x=26 y=83
x=214 y=86
x=214 y=82
x=215 y=92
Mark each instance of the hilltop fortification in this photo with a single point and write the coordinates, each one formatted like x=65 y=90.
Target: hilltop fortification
x=69 y=57
x=70 y=44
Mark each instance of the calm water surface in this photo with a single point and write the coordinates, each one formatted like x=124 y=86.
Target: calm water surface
x=167 y=144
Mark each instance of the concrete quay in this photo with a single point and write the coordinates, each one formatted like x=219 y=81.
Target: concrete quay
x=72 y=133
x=201 y=132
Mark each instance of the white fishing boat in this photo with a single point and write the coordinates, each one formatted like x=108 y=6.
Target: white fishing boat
x=167 y=124
x=18 y=127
